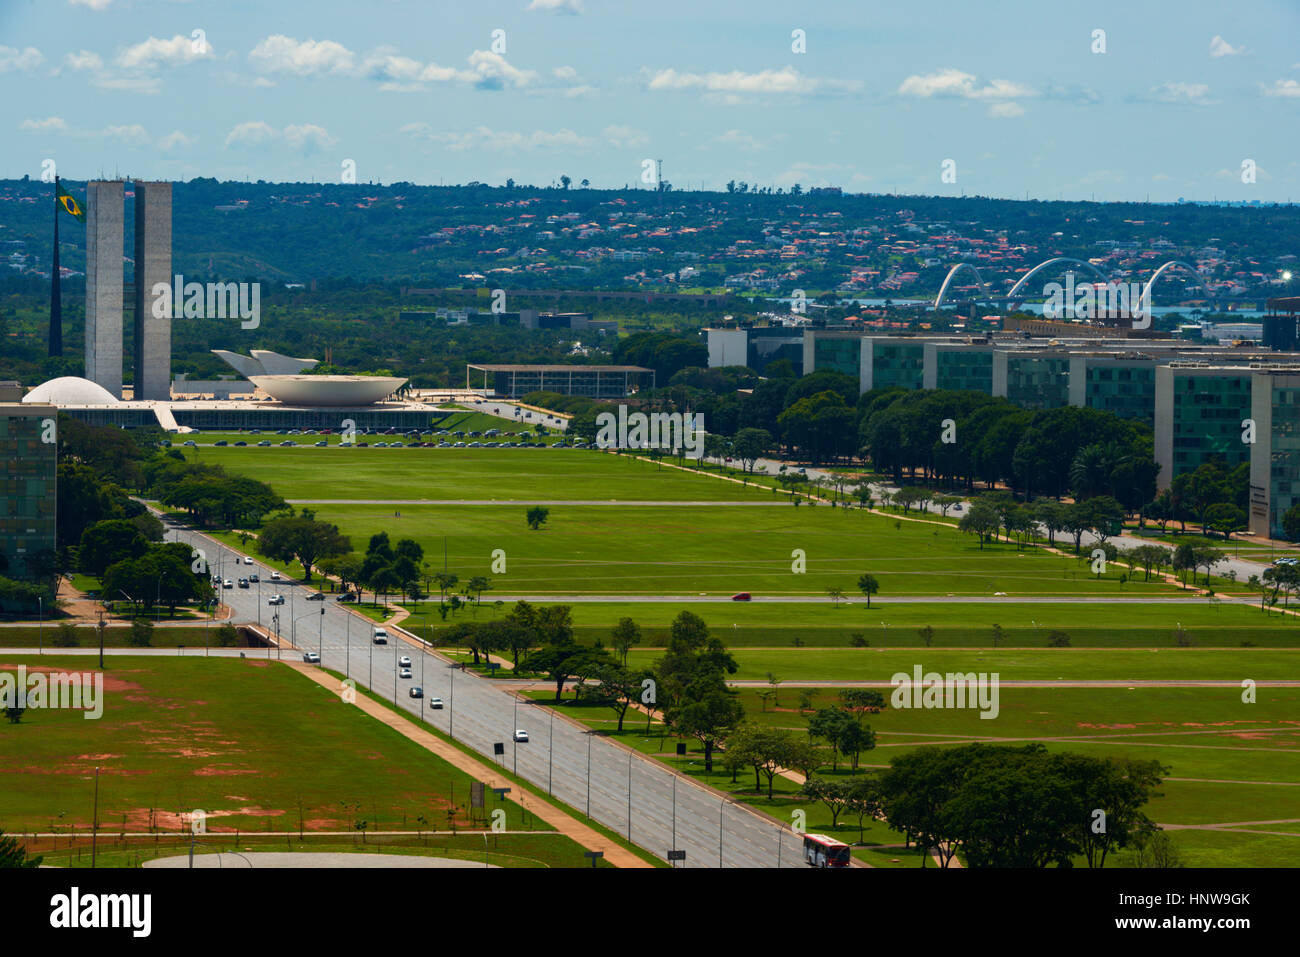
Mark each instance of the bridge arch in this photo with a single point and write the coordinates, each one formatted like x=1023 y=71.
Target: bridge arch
x=1145 y=301
x=1013 y=299
x=947 y=280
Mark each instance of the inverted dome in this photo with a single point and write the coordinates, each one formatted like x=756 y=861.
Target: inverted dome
x=71 y=390
x=343 y=390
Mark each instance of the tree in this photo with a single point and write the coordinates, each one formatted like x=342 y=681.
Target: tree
x=749 y=445
x=623 y=636
x=537 y=516
x=108 y=542
x=861 y=701
x=621 y=688
x=14 y=854
x=836 y=795
x=864 y=801
x=302 y=538
x=982 y=519
x=141 y=633
x=1291 y=523
x=868 y=585
x=562 y=659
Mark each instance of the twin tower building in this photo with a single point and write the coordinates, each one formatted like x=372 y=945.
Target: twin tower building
x=105 y=288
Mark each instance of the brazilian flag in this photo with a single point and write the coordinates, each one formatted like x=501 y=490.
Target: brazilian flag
x=68 y=202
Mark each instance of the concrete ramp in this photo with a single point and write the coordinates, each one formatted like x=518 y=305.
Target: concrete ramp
x=163 y=414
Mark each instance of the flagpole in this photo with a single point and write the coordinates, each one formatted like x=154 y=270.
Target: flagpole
x=56 y=294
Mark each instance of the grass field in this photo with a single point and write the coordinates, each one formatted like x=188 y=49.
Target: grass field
x=164 y=636
x=472 y=474
x=1029 y=664
x=1228 y=762
x=255 y=745
x=703 y=550
x=897 y=625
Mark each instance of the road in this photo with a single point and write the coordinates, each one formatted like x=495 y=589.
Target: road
x=585 y=771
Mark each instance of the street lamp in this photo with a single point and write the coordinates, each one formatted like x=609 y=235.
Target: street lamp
x=40 y=629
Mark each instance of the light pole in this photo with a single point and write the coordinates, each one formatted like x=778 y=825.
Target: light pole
x=629 y=795
x=588 y=774
x=40 y=629
x=550 y=751
x=94 y=826
x=347 y=668
x=320 y=632
x=722 y=810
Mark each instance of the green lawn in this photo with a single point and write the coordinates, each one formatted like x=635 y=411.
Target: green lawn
x=252 y=743
x=473 y=474
x=703 y=550
x=1227 y=761
x=767 y=625
x=163 y=636
x=1024 y=664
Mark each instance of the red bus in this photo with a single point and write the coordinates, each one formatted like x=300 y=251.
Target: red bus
x=822 y=851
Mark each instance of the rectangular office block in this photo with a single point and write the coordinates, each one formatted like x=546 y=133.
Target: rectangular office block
x=153 y=264
x=105 y=239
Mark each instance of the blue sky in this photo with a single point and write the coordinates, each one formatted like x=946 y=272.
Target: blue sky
x=1011 y=92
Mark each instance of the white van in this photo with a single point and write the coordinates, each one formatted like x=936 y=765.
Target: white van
x=380 y=637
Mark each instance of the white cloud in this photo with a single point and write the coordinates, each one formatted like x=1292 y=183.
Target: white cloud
x=1177 y=92
x=565 y=73
x=739 y=139
x=582 y=89
x=27 y=58
x=500 y=141
x=307 y=138
x=955 y=83
x=1006 y=110
x=51 y=124
x=156 y=52
x=1284 y=88
x=1221 y=47
x=252 y=133
x=135 y=133
x=557 y=6
x=92 y=4
x=84 y=60
x=787 y=80
x=494 y=73
x=282 y=54
x=176 y=139
x=626 y=138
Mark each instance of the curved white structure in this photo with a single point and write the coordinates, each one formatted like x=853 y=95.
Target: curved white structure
x=264 y=363
x=332 y=390
x=71 y=390
x=1012 y=298
x=1145 y=301
x=947 y=280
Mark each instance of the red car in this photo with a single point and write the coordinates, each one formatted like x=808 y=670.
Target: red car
x=742 y=596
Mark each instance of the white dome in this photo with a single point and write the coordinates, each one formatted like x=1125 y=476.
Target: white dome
x=336 y=390
x=71 y=390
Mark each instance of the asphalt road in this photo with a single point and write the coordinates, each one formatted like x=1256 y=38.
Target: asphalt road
x=582 y=770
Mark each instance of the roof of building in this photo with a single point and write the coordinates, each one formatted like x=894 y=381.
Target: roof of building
x=71 y=390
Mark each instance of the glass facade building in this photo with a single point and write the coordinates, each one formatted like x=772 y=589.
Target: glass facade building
x=28 y=515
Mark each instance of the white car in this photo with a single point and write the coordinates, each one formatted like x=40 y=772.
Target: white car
x=380 y=637
x=248 y=560
x=521 y=735
x=311 y=658
x=435 y=704
x=404 y=673
x=275 y=576
x=275 y=600
x=404 y=662
x=227 y=583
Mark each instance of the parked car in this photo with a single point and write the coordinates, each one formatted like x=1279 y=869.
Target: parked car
x=241 y=445
x=220 y=443
x=1287 y=561
x=264 y=443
